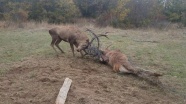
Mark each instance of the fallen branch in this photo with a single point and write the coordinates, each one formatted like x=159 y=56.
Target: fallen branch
x=146 y=41
x=61 y=98
x=148 y=75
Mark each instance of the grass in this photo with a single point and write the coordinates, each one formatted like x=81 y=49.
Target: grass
x=20 y=43
x=162 y=51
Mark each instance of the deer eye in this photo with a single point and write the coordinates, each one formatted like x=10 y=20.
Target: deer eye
x=87 y=41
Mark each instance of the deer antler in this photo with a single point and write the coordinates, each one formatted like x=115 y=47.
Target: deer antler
x=108 y=46
x=95 y=36
x=99 y=35
x=105 y=34
x=92 y=50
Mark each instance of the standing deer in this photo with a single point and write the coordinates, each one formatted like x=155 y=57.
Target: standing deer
x=73 y=36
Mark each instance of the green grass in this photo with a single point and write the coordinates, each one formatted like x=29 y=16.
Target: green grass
x=167 y=56
x=174 y=55
x=18 y=44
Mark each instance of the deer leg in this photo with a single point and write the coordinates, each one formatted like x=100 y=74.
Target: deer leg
x=57 y=45
x=81 y=54
x=52 y=45
x=72 y=48
x=128 y=66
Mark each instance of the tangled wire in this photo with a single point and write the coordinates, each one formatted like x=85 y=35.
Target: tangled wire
x=93 y=51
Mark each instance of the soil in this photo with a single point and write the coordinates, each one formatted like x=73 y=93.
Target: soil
x=37 y=80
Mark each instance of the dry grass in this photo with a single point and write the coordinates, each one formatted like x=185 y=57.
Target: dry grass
x=25 y=25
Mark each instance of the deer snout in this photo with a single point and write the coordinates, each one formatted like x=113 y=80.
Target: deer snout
x=82 y=47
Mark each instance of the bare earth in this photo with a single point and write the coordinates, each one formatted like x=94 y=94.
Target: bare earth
x=37 y=80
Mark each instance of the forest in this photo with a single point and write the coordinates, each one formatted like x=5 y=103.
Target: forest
x=116 y=13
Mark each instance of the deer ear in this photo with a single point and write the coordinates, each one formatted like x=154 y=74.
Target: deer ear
x=105 y=58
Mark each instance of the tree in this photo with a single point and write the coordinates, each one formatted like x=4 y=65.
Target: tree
x=175 y=10
x=107 y=12
x=91 y=8
x=14 y=10
x=143 y=12
x=53 y=11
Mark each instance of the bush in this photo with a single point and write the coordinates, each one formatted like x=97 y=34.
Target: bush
x=54 y=11
x=183 y=19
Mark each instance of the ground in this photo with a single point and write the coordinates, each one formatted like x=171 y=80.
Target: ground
x=37 y=80
x=32 y=74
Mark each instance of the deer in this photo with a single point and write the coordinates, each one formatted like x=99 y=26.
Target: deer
x=74 y=36
x=120 y=64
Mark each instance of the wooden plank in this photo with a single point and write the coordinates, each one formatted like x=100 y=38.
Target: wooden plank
x=61 y=98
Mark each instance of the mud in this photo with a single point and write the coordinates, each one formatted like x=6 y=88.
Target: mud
x=37 y=80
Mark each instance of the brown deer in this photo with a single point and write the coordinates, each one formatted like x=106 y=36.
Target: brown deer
x=72 y=35
x=117 y=60
x=120 y=63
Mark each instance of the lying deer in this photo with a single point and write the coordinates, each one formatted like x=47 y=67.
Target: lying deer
x=73 y=36
x=120 y=63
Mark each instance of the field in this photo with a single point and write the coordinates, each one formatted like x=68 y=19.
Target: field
x=32 y=74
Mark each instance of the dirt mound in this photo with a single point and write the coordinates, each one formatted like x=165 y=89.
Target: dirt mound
x=37 y=80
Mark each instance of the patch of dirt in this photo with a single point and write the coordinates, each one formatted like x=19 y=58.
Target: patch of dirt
x=37 y=80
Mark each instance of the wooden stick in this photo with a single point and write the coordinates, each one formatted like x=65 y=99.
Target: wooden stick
x=61 y=98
